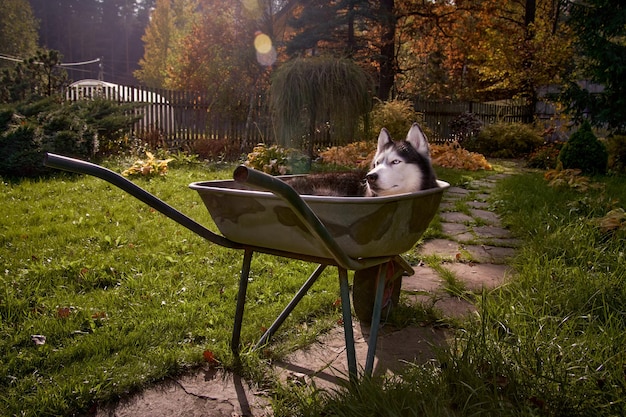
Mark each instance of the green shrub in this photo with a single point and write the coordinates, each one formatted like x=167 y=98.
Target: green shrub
x=584 y=151
x=545 y=157
x=21 y=151
x=356 y=154
x=504 y=140
x=465 y=126
x=616 y=147
x=56 y=128
x=109 y=119
x=276 y=160
x=396 y=116
x=36 y=108
x=216 y=149
x=6 y=114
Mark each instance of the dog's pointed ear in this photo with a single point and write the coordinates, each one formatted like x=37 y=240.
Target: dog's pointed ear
x=417 y=139
x=383 y=139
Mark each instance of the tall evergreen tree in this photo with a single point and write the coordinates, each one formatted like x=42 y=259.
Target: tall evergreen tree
x=18 y=31
x=83 y=30
x=600 y=26
x=331 y=25
x=359 y=29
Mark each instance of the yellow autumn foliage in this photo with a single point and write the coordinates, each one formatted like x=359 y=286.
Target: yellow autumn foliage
x=147 y=167
x=452 y=155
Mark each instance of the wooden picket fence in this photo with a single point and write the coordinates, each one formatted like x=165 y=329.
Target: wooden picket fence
x=178 y=118
x=438 y=115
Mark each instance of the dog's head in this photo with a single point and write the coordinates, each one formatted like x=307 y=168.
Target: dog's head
x=400 y=167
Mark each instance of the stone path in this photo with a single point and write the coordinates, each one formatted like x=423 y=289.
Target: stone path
x=471 y=255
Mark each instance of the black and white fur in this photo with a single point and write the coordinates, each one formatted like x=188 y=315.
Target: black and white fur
x=401 y=167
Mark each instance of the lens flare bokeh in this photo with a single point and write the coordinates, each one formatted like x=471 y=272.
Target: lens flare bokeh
x=265 y=51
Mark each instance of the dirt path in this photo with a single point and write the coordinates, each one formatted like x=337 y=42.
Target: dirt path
x=475 y=251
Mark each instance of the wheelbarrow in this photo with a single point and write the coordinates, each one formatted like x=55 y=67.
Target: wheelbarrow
x=256 y=212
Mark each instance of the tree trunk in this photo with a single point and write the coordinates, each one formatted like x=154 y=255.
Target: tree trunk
x=529 y=88
x=386 y=60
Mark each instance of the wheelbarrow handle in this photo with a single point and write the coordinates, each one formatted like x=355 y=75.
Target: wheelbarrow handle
x=281 y=189
x=83 y=167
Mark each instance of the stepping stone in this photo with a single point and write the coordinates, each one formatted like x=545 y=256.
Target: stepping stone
x=324 y=361
x=486 y=216
x=441 y=247
x=206 y=392
x=448 y=305
x=477 y=204
x=477 y=277
x=498 y=177
x=457 y=191
x=446 y=206
x=482 y=184
x=454 y=229
x=456 y=217
x=488 y=232
x=455 y=307
x=493 y=254
x=425 y=279
x=465 y=238
x=505 y=242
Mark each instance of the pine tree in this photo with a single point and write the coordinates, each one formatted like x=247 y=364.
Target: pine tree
x=600 y=26
x=18 y=31
x=327 y=24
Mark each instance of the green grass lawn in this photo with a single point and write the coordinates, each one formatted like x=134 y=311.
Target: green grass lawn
x=124 y=295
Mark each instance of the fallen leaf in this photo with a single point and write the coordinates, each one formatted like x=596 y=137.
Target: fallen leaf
x=209 y=357
x=615 y=219
x=38 y=339
x=63 y=312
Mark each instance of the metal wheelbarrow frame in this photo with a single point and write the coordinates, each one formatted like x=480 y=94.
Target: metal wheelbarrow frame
x=389 y=267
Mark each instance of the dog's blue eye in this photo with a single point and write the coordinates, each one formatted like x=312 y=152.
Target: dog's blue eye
x=395 y=162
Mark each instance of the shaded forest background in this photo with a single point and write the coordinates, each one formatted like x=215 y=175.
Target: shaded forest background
x=85 y=30
x=464 y=50
x=468 y=50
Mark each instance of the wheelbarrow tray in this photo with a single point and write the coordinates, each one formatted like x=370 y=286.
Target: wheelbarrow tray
x=364 y=227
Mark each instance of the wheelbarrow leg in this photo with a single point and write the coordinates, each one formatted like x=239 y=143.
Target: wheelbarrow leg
x=383 y=270
x=347 y=323
x=292 y=304
x=241 y=301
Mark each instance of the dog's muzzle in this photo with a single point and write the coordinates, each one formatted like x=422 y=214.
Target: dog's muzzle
x=371 y=178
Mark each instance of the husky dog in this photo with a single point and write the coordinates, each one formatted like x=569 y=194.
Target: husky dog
x=400 y=167
x=397 y=168
x=330 y=184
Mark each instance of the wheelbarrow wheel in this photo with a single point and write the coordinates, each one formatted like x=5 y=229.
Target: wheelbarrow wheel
x=364 y=293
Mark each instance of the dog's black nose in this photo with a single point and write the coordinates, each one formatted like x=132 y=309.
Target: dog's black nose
x=371 y=177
